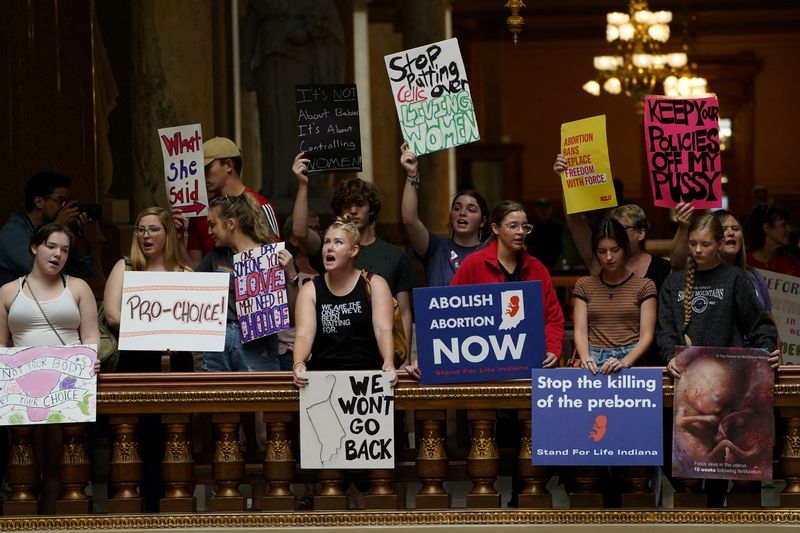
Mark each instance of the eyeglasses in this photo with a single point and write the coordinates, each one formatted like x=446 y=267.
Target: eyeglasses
x=149 y=230
x=60 y=200
x=628 y=228
x=514 y=226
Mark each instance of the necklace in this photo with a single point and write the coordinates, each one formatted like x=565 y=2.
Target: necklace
x=611 y=286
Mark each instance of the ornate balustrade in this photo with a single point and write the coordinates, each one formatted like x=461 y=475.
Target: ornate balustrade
x=227 y=398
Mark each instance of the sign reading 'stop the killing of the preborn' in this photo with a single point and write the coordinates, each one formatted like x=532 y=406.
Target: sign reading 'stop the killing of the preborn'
x=600 y=419
x=261 y=302
x=723 y=421
x=47 y=385
x=432 y=96
x=587 y=181
x=682 y=148
x=182 y=148
x=328 y=127
x=174 y=311
x=347 y=420
x=479 y=332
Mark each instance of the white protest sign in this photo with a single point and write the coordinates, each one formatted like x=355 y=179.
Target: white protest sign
x=784 y=291
x=47 y=385
x=174 y=311
x=260 y=288
x=184 y=172
x=347 y=420
x=431 y=92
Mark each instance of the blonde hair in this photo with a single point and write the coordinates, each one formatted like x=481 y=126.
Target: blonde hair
x=346 y=225
x=172 y=256
x=247 y=212
x=633 y=213
x=705 y=222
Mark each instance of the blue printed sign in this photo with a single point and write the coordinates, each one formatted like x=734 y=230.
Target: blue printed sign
x=479 y=332
x=584 y=419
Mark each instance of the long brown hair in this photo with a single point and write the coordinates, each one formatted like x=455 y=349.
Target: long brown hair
x=172 y=255
x=705 y=222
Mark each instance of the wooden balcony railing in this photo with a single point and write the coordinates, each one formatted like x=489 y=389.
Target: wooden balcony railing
x=184 y=400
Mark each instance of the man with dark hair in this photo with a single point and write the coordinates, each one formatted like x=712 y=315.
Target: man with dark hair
x=46 y=200
x=223 y=168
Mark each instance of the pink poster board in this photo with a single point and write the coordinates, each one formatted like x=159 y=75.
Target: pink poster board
x=683 y=154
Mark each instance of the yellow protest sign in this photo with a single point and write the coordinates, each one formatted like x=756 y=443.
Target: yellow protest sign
x=587 y=181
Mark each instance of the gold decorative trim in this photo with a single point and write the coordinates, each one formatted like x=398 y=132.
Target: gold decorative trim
x=398 y=518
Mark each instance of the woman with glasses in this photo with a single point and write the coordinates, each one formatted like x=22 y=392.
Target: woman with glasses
x=768 y=232
x=505 y=259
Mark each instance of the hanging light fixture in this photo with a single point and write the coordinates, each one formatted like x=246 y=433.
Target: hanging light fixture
x=515 y=22
x=639 y=65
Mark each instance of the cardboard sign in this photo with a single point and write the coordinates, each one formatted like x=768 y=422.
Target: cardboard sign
x=723 y=422
x=479 y=332
x=585 y=419
x=682 y=148
x=184 y=172
x=431 y=92
x=347 y=420
x=47 y=385
x=783 y=291
x=587 y=182
x=174 y=311
x=328 y=127
x=260 y=288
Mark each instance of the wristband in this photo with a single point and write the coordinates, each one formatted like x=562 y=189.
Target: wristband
x=414 y=180
x=298 y=363
x=294 y=281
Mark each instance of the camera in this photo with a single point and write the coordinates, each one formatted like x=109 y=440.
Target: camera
x=92 y=211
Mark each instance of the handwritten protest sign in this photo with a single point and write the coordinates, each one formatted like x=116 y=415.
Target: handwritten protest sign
x=682 y=145
x=784 y=291
x=587 y=182
x=479 y=332
x=174 y=311
x=260 y=289
x=182 y=148
x=585 y=419
x=347 y=420
x=328 y=127
x=723 y=422
x=431 y=92
x=47 y=385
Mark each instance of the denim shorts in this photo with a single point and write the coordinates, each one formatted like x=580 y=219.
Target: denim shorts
x=260 y=355
x=601 y=355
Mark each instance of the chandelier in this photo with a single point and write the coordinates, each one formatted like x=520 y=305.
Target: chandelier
x=639 y=65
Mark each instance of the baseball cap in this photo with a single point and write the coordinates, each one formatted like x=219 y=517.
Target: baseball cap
x=219 y=148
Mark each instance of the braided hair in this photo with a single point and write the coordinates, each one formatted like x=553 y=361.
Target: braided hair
x=705 y=222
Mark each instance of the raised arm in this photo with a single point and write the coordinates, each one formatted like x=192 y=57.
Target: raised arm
x=679 y=249
x=309 y=239
x=577 y=225
x=416 y=230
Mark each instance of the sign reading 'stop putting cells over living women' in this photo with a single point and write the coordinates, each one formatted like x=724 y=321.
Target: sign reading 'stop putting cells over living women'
x=479 y=332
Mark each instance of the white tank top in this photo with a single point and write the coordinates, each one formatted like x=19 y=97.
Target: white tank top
x=29 y=328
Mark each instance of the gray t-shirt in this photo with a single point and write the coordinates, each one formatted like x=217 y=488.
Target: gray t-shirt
x=443 y=258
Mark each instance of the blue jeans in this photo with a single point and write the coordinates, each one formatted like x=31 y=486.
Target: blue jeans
x=260 y=355
x=601 y=355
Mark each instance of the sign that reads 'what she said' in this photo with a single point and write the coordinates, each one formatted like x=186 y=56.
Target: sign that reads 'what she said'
x=683 y=153
x=184 y=173
x=328 y=127
x=432 y=96
x=260 y=288
x=479 y=332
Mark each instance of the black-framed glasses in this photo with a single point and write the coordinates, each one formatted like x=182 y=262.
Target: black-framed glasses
x=60 y=200
x=149 y=230
x=514 y=226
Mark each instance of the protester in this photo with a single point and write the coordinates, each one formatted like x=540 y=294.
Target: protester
x=546 y=241
x=615 y=310
x=768 y=232
x=441 y=256
x=48 y=308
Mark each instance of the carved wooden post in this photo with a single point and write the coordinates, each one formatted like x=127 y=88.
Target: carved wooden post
x=432 y=460
x=74 y=472
x=534 y=478
x=279 y=463
x=636 y=491
x=482 y=460
x=688 y=493
x=382 y=494
x=125 y=473
x=586 y=491
x=790 y=457
x=744 y=495
x=178 y=466
x=22 y=473
x=228 y=464
x=330 y=497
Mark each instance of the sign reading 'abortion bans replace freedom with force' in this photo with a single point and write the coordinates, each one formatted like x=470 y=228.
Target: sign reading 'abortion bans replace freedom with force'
x=587 y=181
x=347 y=420
x=432 y=96
x=260 y=289
x=479 y=332
x=601 y=411
x=182 y=148
x=683 y=156
x=328 y=127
